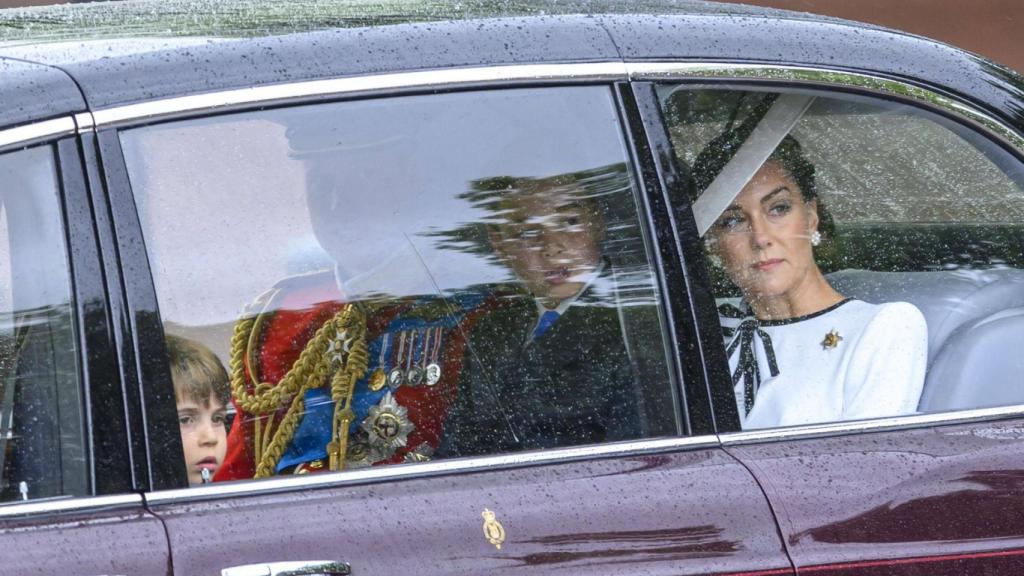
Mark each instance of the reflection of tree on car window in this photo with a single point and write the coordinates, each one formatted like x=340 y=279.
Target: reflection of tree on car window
x=550 y=366
x=799 y=352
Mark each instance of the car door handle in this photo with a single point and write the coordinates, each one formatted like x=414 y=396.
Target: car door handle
x=307 y=568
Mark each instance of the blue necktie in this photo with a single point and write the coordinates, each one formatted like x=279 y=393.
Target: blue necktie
x=547 y=319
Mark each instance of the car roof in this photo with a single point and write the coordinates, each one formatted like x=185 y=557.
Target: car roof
x=255 y=18
x=33 y=91
x=121 y=53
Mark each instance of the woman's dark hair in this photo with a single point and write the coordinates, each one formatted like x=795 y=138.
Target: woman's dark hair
x=788 y=154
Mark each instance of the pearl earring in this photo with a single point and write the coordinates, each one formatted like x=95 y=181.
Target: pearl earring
x=815 y=238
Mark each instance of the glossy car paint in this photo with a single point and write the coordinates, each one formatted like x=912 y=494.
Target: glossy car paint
x=696 y=512
x=692 y=511
x=33 y=92
x=688 y=32
x=110 y=457
x=936 y=500
x=89 y=541
x=826 y=45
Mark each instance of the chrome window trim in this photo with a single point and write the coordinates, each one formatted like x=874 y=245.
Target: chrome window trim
x=876 y=425
x=242 y=98
x=29 y=134
x=368 y=84
x=823 y=77
x=84 y=122
x=65 y=505
x=429 y=469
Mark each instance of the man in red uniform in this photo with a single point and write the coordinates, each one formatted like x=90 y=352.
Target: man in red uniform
x=350 y=366
x=414 y=349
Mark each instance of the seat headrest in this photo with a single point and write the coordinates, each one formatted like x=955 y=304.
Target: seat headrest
x=981 y=366
x=948 y=299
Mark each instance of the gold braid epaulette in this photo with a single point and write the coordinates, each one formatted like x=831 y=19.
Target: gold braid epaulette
x=319 y=358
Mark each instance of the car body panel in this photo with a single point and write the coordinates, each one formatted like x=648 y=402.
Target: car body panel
x=207 y=63
x=33 y=92
x=827 y=45
x=931 y=499
x=87 y=539
x=686 y=512
x=216 y=66
x=938 y=500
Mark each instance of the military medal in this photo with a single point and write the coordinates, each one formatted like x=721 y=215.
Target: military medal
x=358 y=455
x=832 y=339
x=338 y=347
x=378 y=380
x=415 y=376
x=421 y=453
x=396 y=377
x=387 y=425
x=433 y=370
x=420 y=374
x=413 y=373
x=380 y=377
x=433 y=374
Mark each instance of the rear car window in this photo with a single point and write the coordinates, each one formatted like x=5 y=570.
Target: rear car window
x=406 y=279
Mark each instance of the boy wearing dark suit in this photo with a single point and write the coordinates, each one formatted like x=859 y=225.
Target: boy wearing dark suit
x=549 y=366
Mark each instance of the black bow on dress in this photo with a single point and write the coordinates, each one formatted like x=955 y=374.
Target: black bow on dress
x=747 y=365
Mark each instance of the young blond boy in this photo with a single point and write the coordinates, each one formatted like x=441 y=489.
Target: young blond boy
x=202 y=393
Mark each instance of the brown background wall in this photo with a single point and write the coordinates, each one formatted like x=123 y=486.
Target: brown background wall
x=988 y=27
x=991 y=28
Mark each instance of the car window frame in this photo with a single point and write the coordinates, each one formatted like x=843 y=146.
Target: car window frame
x=105 y=438
x=646 y=142
x=930 y=99
x=140 y=291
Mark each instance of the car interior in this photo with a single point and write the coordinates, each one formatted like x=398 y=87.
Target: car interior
x=914 y=208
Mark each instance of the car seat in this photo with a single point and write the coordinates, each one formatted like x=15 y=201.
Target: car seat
x=975 y=330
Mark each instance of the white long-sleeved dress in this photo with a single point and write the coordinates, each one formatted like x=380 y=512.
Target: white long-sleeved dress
x=872 y=366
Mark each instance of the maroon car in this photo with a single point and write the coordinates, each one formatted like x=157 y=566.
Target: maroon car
x=452 y=288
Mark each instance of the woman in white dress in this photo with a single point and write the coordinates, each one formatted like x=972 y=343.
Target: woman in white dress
x=799 y=351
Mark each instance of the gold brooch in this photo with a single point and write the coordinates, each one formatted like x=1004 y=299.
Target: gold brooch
x=493 y=529
x=832 y=339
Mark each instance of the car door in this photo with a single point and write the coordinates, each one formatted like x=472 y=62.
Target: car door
x=258 y=225
x=67 y=492
x=918 y=202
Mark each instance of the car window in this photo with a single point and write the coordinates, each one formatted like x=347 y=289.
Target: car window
x=42 y=449
x=406 y=279
x=867 y=256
